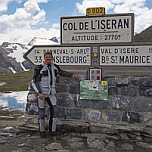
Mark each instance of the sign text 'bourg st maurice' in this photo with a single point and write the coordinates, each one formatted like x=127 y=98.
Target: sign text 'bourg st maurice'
x=62 y=55
x=110 y=28
x=138 y=55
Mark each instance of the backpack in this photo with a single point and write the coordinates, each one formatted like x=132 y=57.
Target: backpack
x=31 y=105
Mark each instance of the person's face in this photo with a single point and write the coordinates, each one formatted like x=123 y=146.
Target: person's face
x=47 y=58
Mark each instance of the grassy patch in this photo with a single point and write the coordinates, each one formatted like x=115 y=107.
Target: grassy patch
x=7 y=119
x=16 y=82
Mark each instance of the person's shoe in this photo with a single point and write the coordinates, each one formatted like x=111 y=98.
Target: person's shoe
x=43 y=134
x=53 y=133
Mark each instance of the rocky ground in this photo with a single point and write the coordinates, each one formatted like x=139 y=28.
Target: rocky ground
x=13 y=139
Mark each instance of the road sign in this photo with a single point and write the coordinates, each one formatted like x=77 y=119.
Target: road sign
x=130 y=55
x=63 y=55
x=110 y=28
x=95 y=11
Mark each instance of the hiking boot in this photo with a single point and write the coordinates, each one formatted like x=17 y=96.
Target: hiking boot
x=53 y=133
x=43 y=134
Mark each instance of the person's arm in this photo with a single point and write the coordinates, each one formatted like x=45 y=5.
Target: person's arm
x=36 y=79
x=65 y=73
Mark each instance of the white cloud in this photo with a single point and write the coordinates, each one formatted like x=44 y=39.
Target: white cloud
x=31 y=6
x=94 y=3
x=21 y=26
x=4 y=4
x=56 y=26
x=138 y=7
x=24 y=36
x=142 y=13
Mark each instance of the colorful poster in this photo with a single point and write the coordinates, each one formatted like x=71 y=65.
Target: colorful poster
x=94 y=89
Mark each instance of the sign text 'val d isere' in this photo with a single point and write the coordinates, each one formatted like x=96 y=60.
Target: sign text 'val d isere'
x=130 y=55
x=62 y=55
x=110 y=28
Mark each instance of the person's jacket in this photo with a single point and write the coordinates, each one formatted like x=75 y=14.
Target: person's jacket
x=44 y=78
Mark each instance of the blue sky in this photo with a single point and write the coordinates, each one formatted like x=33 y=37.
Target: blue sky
x=21 y=20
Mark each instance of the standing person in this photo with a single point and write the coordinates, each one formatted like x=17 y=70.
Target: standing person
x=44 y=85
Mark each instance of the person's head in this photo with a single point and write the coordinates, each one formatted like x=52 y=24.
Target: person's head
x=48 y=57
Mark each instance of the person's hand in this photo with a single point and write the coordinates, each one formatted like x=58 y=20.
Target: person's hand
x=41 y=96
x=75 y=76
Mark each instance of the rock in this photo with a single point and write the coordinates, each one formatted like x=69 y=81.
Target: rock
x=76 y=142
x=148 y=130
x=28 y=122
x=127 y=146
x=102 y=129
x=76 y=145
x=3 y=141
x=74 y=139
x=147 y=139
x=101 y=136
x=144 y=145
x=90 y=150
x=130 y=128
x=9 y=130
x=54 y=146
x=92 y=115
x=111 y=145
x=61 y=151
x=95 y=143
x=124 y=136
x=6 y=134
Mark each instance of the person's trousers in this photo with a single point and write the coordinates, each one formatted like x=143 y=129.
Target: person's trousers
x=51 y=100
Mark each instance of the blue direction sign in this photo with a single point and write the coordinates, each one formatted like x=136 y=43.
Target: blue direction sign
x=63 y=55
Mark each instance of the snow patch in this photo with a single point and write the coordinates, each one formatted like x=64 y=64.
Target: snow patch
x=23 y=67
x=12 y=69
x=41 y=41
x=14 y=100
x=2 y=84
x=17 y=53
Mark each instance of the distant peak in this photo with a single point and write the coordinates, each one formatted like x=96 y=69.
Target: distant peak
x=43 y=41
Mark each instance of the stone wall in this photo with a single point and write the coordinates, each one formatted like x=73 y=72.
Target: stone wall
x=129 y=103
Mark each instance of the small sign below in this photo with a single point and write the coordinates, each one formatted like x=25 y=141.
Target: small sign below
x=94 y=90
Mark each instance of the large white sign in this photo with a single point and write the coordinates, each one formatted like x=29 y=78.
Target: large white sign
x=62 y=55
x=126 y=55
x=110 y=28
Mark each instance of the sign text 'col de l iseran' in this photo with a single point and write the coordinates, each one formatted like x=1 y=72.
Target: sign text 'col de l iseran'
x=97 y=29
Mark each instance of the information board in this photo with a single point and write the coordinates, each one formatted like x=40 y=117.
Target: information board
x=94 y=90
x=110 y=28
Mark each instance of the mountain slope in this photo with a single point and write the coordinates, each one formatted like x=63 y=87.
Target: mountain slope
x=11 y=55
x=144 y=36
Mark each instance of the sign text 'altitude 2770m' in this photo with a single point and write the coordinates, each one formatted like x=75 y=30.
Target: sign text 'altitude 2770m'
x=97 y=29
